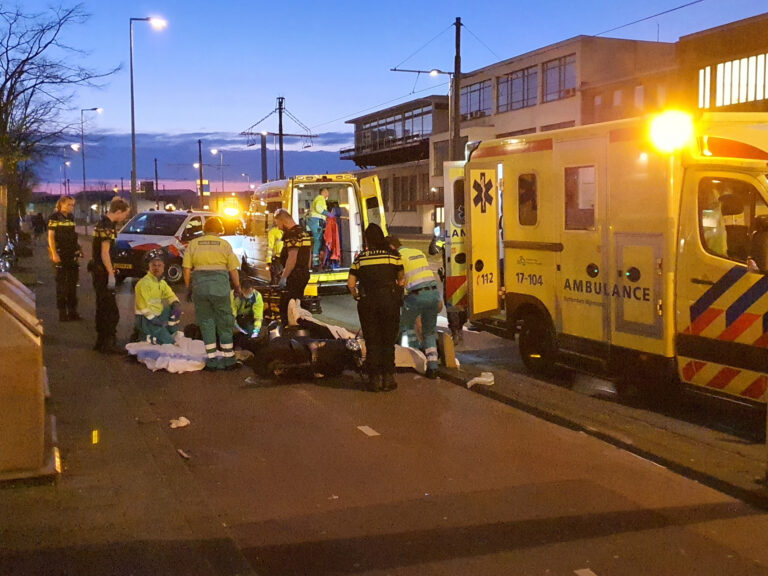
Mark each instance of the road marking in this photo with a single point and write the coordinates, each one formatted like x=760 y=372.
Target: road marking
x=584 y=572
x=368 y=431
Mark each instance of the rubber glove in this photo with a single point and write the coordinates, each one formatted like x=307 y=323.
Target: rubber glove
x=256 y=332
x=283 y=283
x=175 y=311
x=111 y=282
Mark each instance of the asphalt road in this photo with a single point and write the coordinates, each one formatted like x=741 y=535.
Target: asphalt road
x=319 y=477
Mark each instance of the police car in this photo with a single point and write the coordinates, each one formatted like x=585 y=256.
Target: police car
x=169 y=231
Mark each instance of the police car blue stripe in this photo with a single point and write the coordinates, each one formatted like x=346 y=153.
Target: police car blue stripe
x=743 y=302
x=718 y=289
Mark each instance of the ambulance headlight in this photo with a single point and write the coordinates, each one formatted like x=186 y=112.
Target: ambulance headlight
x=671 y=130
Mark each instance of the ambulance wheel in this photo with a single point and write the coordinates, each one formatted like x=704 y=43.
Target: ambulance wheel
x=536 y=343
x=174 y=272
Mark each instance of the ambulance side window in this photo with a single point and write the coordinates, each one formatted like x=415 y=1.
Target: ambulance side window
x=580 y=194
x=730 y=215
x=458 y=202
x=527 y=200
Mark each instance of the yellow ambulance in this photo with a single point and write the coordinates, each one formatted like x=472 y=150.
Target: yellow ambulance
x=355 y=203
x=632 y=247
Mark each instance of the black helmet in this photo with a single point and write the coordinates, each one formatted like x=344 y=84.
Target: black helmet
x=154 y=254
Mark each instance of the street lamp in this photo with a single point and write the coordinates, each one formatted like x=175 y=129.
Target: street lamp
x=248 y=176
x=82 y=153
x=157 y=24
x=220 y=153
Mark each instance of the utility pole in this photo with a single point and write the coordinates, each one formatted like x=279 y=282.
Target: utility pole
x=455 y=150
x=280 y=103
x=264 y=176
x=200 y=168
x=156 y=180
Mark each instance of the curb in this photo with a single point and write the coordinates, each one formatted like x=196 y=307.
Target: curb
x=757 y=497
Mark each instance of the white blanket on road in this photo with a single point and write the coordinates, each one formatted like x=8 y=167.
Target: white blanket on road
x=186 y=355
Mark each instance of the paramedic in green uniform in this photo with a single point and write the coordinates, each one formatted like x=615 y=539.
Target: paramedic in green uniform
x=316 y=221
x=157 y=308
x=209 y=264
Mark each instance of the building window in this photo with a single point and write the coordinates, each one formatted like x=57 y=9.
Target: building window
x=616 y=98
x=639 y=97
x=394 y=130
x=476 y=100
x=518 y=90
x=736 y=82
x=559 y=78
x=405 y=193
x=384 y=183
x=558 y=126
x=598 y=101
x=440 y=155
x=580 y=194
x=527 y=200
x=705 y=77
x=661 y=95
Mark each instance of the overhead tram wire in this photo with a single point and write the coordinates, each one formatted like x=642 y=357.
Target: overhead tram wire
x=652 y=16
x=424 y=46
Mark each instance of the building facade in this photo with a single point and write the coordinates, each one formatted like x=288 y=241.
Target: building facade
x=582 y=80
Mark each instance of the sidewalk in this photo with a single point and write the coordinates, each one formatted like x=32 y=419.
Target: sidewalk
x=729 y=462
x=126 y=502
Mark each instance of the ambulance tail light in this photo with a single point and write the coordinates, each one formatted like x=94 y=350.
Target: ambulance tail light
x=671 y=130
x=229 y=211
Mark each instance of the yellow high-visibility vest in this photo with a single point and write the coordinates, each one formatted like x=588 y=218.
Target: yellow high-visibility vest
x=417 y=270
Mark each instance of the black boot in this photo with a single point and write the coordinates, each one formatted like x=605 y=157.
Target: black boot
x=99 y=343
x=389 y=382
x=375 y=382
x=110 y=346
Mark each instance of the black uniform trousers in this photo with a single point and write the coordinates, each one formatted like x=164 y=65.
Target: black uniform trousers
x=107 y=314
x=294 y=288
x=67 y=273
x=379 y=314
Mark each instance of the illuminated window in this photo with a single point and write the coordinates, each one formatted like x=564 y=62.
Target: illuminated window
x=704 y=86
x=736 y=82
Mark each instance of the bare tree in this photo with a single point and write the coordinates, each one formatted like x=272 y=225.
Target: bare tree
x=38 y=75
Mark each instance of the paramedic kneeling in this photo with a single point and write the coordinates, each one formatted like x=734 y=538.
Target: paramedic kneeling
x=158 y=310
x=422 y=300
x=209 y=264
x=248 y=308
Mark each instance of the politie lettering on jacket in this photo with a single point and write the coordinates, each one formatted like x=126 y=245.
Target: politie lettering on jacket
x=639 y=293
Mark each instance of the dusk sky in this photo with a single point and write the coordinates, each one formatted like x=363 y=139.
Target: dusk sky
x=218 y=67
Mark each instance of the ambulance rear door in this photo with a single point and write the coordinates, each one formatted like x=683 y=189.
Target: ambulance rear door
x=371 y=206
x=482 y=196
x=455 y=261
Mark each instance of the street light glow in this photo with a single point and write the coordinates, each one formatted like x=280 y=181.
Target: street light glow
x=158 y=23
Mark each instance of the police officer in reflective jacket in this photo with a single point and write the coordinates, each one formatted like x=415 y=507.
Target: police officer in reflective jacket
x=64 y=251
x=103 y=273
x=375 y=281
x=209 y=265
x=422 y=301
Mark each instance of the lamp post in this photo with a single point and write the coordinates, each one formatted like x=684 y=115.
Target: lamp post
x=157 y=24
x=248 y=177
x=220 y=153
x=82 y=156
